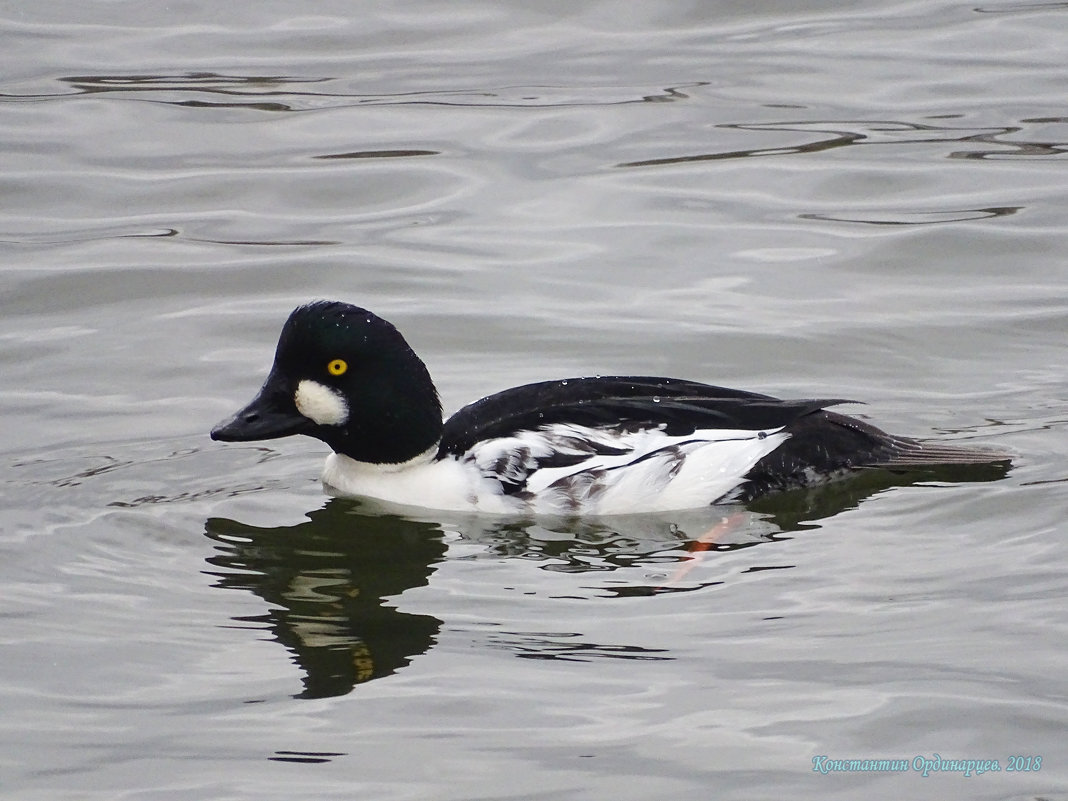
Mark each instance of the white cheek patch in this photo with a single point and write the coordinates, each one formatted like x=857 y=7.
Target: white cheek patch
x=320 y=403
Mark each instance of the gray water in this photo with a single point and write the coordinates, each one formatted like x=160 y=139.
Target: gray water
x=858 y=199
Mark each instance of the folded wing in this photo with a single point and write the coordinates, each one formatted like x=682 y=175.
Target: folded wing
x=618 y=442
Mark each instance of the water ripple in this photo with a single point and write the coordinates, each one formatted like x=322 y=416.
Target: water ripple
x=1020 y=8
x=284 y=92
x=844 y=133
x=379 y=154
x=909 y=217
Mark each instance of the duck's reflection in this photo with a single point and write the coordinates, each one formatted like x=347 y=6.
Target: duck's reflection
x=329 y=582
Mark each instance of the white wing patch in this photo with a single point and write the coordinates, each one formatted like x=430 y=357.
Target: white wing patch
x=568 y=469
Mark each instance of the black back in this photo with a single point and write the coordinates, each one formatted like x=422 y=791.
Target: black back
x=619 y=402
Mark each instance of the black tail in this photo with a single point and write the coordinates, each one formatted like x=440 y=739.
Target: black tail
x=904 y=452
x=827 y=445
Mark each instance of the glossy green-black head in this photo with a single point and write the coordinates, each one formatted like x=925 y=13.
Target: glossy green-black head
x=345 y=376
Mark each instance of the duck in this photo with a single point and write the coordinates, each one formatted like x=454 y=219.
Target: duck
x=596 y=445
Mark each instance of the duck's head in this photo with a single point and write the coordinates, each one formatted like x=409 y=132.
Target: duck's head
x=347 y=377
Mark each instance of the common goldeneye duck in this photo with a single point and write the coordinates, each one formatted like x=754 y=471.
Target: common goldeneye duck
x=603 y=445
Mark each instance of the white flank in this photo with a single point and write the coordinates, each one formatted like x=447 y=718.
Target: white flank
x=320 y=403
x=657 y=472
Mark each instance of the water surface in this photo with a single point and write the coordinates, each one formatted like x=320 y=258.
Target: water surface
x=865 y=201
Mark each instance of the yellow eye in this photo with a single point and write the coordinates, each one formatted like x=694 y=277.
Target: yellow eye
x=337 y=367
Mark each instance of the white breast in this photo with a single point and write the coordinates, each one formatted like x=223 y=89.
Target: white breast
x=424 y=482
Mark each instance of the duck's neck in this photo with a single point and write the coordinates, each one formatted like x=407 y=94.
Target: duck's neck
x=388 y=441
